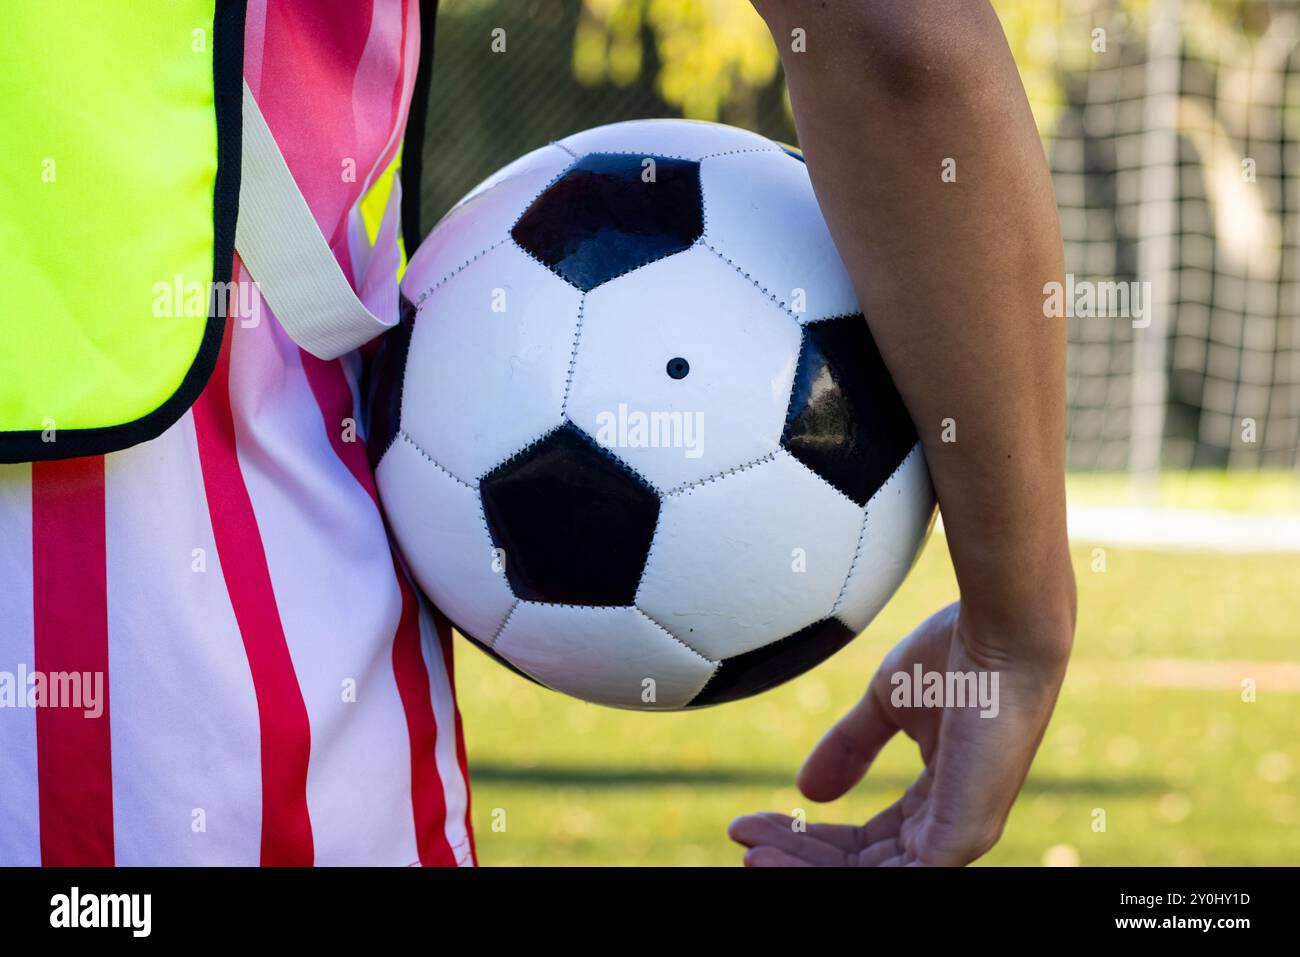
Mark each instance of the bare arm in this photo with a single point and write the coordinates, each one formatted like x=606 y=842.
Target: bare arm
x=951 y=276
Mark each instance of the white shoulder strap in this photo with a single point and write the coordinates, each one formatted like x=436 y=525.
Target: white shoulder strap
x=288 y=258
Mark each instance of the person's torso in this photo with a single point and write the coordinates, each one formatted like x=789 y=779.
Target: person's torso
x=269 y=687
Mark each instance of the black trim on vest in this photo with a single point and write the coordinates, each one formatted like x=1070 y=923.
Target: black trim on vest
x=228 y=90
x=413 y=143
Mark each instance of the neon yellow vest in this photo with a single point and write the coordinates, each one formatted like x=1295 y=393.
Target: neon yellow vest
x=119 y=183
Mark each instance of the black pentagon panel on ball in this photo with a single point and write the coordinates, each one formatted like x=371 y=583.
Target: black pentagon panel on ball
x=775 y=663
x=575 y=523
x=384 y=380
x=847 y=421
x=610 y=213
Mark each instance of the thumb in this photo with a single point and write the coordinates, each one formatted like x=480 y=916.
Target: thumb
x=842 y=757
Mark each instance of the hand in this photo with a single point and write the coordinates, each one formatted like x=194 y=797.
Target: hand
x=974 y=766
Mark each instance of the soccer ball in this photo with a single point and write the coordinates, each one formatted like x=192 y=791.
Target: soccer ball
x=632 y=435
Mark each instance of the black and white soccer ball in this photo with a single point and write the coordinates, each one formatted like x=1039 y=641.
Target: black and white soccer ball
x=633 y=436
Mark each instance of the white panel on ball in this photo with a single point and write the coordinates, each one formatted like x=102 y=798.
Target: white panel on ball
x=686 y=139
x=613 y=656
x=488 y=359
x=775 y=234
x=897 y=520
x=743 y=560
x=438 y=523
x=729 y=408
x=480 y=223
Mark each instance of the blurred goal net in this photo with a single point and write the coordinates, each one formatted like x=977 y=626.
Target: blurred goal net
x=1176 y=161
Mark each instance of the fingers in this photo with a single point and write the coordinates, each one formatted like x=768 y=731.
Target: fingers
x=842 y=757
x=777 y=831
x=772 y=843
x=882 y=836
x=877 y=843
x=885 y=825
x=767 y=856
x=849 y=838
x=910 y=811
x=882 y=854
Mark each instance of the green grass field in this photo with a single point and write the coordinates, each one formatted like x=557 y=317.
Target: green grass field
x=1151 y=728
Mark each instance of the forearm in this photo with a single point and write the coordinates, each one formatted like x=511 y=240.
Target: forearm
x=950 y=274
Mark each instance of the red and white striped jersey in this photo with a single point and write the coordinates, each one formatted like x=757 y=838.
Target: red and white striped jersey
x=257 y=680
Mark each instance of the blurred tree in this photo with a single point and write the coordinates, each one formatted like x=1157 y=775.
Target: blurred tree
x=714 y=55
x=571 y=64
x=559 y=66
